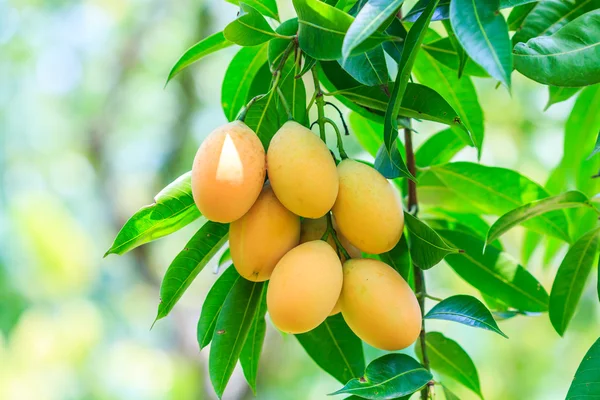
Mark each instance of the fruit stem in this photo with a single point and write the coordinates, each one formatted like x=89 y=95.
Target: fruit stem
x=346 y=131
x=285 y=56
x=285 y=104
x=320 y=104
x=332 y=232
x=340 y=143
x=242 y=115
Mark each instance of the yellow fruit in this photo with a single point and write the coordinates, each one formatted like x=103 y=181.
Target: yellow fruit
x=337 y=308
x=313 y=229
x=304 y=287
x=228 y=172
x=260 y=238
x=302 y=171
x=368 y=209
x=379 y=306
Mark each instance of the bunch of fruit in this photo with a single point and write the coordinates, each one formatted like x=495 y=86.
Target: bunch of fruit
x=281 y=230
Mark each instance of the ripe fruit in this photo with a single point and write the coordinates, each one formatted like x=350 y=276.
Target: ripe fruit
x=337 y=308
x=260 y=238
x=313 y=229
x=379 y=306
x=302 y=171
x=304 y=287
x=368 y=209
x=228 y=172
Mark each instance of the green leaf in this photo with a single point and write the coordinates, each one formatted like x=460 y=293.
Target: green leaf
x=524 y=213
x=517 y=16
x=173 y=209
x=596 y=147
x=370 y=18
x=399 y=259
x=335 y=348
x=571 y=278
x=249 y=29
x=368 y=68
x=465 y=310
x=389 y=163
x=368 y=132
x=278 y=46
x=394 y=48
x=443 y=10
x=213 y=304
x=549 y=16
x=390 y=126
x=294 y=93
x=263 y=118
x=204 y=47
x=233 y=324
x=188 y=263
x=448 y=394
x=268 y=8
x=445 y=53
x=239 y=76
x=585 y=383
x=439 y=148
x=449 y=358
x=569 y=57
x=460 y=52
x=225 y=258
x=387 y=377
x=322 y=30
x=483 y=33
x=495 y=273
x=250 y=355
x=426 y=247
x=557 y=94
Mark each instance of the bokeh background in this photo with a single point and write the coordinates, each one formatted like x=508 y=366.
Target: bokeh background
x=88 y=135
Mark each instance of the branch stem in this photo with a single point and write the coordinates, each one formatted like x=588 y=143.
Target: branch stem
x=340 y=143
x=320 y=104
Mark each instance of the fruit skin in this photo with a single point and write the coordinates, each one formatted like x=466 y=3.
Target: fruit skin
x=304 y=287
x=260 y=238
x=228 y=172
x=336 y=309
x=368 y=209
x=302 y=171
x=379 y=306
x=313 y=229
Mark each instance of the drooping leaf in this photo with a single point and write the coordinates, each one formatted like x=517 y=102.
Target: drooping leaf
x=189 y=262
x=399 y=259
x=225 y=258
x=483 y=33
x=278 y=46
x=394 y=47
x=335 y=348
x=369 y=68
x=460 y=52
x=585 y=383
x=239 y=77
x=204 y=47
x=263 y=118
x=426 y=247
x=268 y=8
x=388 y=377
x=249 y=29
x=450 y=359
x=443 y=10
x=389 y=162
x=524 y=213
x=571 y=278
x=322 y=29
x=173 y=209
x=294 y=93
x=517 y=16
x=549 y=16
x=211 y=308
x=569 y=57
x=596 y=147
x=444 y=52
x=448 y=394
x=231 y=331
x=250 y=355
x=439 y=148
x=372 y=16
x=494 y=273
x=466 y=310
x=557 y=94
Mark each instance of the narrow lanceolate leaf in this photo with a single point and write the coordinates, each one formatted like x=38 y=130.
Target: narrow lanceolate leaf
x=482 y=31
x=399 y=259
x=249 y=29
x=585 y=383
x=373 y=14
x=557 y=94
x=231 y=331
x=204 y=47
x=389 y=162
x=188 y=263
x=517 y=16
x=495 y=273
x=211 y=308
x=426 y=247
x=460 y=52
x=569 y=57
x=278 y=46
x=444 y=52
x=443 y=10
x=268 y=8
x=524 y=213
x=450 y=359
x=549 y=16
x=239 y=77
x=571 y=278
x=394 y=48
x=294 y=93
x=263 y=118
x=335 y=348
x=466 y=310
x=596 y=147
x=368 y=132
x=388 y=377
x=225 y=258
x=390 y=129
x=250 y=355
x=173 y=209
x=439 y=148
x=368 y=68
x=448 y=394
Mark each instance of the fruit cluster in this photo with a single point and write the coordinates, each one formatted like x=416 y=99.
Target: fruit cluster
x=268 y=239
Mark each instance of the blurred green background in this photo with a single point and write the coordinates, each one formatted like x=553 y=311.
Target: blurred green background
x=88 y=135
